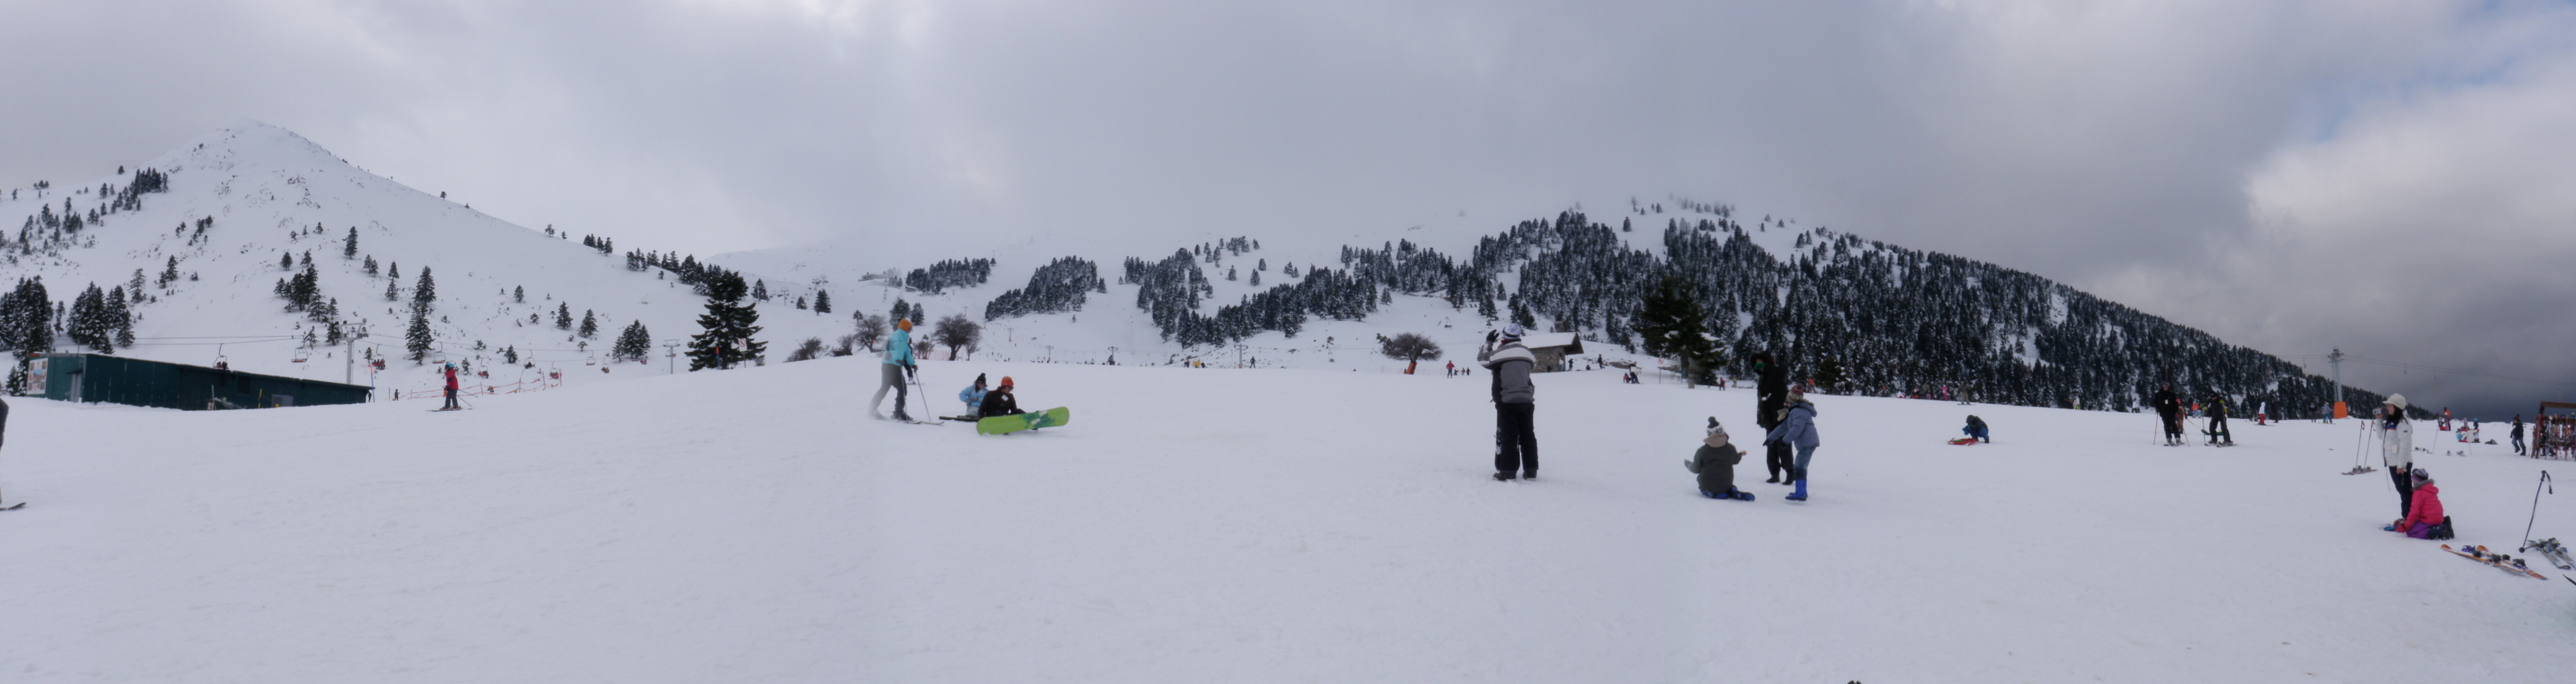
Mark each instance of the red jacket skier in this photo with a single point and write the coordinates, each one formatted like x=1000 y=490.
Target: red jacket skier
x=451 y=386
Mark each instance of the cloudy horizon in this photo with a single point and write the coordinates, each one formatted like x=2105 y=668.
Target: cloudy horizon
x=2292 y=176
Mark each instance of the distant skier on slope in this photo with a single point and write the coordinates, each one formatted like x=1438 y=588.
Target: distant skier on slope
x=999 y=402
x=1798 y=427
x=451 y=388
x=2397 y=449
x=2517 y=434
x=898 y=362
x=2218 y=421
x=2169 y=408
x=2424 y=519
x=1770 y=397
x=1715 y=461
x=1515 y=405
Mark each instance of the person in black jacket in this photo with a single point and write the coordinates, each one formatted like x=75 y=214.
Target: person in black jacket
x=2218 y=421
x=1771 y=395
x=2170 y=409
x=999 y=402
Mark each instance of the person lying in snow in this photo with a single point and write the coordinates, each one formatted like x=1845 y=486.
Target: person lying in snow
x=2424 y=519
x=1715 y=463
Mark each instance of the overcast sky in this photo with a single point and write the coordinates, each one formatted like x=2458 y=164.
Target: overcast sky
x=2393 y=178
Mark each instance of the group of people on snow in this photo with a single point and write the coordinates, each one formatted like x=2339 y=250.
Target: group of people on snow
x=2419 y=503
x=899 y=367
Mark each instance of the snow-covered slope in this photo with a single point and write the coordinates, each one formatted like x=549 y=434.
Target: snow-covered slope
x=270 y=194
x=1228 y=525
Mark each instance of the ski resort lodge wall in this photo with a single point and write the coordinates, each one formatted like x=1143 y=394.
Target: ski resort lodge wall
x=119 y=380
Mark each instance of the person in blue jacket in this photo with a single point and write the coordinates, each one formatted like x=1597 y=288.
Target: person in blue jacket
x=898 y=362
x=973 y=396
x=1797 y=427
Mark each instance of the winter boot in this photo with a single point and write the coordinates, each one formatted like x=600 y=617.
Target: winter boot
x=1801 y=494
x=1775 y=479
x=1741 y=494
x=1502 y=477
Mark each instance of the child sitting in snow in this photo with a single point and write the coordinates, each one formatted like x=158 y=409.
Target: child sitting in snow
x=1976 y=429
x=2424 y=519
x=1715 y=463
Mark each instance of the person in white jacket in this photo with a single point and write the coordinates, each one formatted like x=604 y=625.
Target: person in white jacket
x=2397 y=449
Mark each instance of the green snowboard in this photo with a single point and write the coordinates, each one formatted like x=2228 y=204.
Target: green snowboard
x=1003 y=425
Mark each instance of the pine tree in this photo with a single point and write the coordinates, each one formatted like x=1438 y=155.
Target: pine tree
x=728 y=325
x=371 y=268
x=286 y=262
x=1674 y=325
x=589 y=324
x=425 y=293
x=760 y=290
x=349 y=249
x=563 y=315
x=418 y=339
x=822 y=302
x=902 y=310
x=393 y=289
x=800 y=302
x=519 y=294
x=634 y=344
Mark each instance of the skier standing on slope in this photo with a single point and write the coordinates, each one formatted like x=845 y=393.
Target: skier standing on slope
x=2218 y=420
x=451 y=387
x=2424 y=519
x=2517 y=434
x=1715 y=463
x=2170 y=409
x=1515 y=405
x=1771 y=394
x=898 y=362
x=2397 y=449
x=1797 y=426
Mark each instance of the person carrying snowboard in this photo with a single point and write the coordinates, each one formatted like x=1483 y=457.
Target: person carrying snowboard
x=2169 y=408
x=2397 y=449
x=1798 y=427
x=451 y=388
x=2424 y=519
x=1515 y=405
x=973 y=395
x=1976 y=429
x=999 y=402
x=1771 y=395
x=2218 y=421
x=898 y=362
x=1715 y=463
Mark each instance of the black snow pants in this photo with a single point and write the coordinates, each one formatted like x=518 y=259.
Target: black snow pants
x=2405 y=491
x=1515 y=439
x=2218 y=430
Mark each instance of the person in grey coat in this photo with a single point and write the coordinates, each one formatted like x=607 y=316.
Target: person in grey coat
x=1797 y=428
x=1715 y=463
x=1515 y=405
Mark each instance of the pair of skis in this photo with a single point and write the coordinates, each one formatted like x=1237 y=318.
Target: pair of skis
x=2498 y=560
x=2555 y=552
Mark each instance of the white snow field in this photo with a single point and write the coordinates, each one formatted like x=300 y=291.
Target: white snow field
x=1229 y=525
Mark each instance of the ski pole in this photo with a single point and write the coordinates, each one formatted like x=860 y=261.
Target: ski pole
x=2535 y=509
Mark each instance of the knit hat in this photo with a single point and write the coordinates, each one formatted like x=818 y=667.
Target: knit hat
x=1512 y=331
x=1006 y=381
x=1716 y=434
x=904 y=324
x=979 y=379
x=2421 y=478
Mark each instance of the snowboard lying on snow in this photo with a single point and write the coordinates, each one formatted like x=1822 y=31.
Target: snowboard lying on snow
x=1003 y=425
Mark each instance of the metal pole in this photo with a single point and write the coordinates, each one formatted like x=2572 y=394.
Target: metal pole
x=2336 y=360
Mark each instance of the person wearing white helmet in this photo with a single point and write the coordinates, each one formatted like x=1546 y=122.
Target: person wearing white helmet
x=2397 y=450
